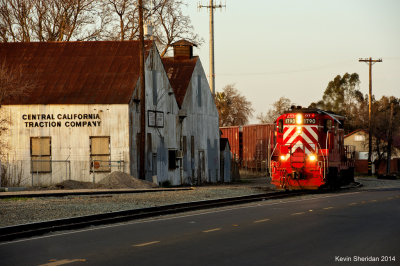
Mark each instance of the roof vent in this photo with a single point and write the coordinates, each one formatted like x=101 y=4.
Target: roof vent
x=183 y=49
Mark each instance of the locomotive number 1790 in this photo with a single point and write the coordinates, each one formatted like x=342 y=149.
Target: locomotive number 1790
x=309 y=121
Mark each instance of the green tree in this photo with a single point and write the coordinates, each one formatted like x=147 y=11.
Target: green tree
x=340 y=94
x=278 y=107
x=343 y=97
x=233 y=108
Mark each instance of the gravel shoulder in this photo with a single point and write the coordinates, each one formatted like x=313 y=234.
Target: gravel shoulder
x=14 y=211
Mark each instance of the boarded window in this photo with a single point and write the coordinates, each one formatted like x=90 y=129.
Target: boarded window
x=41 y=154
x=100 y=154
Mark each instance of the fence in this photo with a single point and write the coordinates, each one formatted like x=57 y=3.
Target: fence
x=19 y=172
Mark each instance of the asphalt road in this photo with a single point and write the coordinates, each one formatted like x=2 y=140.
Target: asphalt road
x=346 y=228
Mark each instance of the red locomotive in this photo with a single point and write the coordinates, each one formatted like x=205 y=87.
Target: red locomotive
x=309 y=152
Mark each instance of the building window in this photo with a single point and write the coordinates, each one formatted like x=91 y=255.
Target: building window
x=100 y=155
x=41 y=154
x=359 y=138
x=171 y=159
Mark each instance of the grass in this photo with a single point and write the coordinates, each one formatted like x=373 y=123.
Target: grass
x=16 y=199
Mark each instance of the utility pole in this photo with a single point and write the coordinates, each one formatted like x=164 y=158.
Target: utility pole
x=211 y=7
x=370 y=62
x=142 y=141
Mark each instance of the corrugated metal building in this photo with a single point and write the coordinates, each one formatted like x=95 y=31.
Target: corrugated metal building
x=199 y=127
x=81 y=120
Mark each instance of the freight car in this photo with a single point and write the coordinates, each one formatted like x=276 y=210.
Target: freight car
x=251 y=145
x=309 y=152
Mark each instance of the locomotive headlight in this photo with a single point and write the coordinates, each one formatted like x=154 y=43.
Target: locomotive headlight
x=298 y=130
x=283 y=157
x=312 y=157
x=299 y=119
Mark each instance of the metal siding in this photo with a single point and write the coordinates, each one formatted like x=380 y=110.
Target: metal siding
x=67 y=143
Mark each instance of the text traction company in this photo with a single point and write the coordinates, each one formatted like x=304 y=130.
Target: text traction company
x=58 y=120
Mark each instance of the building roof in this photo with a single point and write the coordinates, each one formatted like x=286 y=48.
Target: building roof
x=98 y=72
x=183 y=43
x=356 y=131
x=179 y=72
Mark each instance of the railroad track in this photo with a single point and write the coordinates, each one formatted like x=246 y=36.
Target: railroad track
x=35 y=229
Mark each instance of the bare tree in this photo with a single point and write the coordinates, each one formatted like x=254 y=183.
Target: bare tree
x=170 y=24
x=50 y=20
x=233 y=108
x=12 y=85
x=280 y=106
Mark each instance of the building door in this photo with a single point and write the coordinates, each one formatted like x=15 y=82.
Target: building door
x=201 y=168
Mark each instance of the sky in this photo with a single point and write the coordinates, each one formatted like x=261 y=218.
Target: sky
x=293 y=48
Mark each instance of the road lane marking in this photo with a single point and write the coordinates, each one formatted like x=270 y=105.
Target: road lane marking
x=328 y=208
x=211 y=230
x=235 y=225
x=261 y=221
x=62 y=262
x=353 y=203
x=147 y=244
x=374 y=200
x=298 y=213
x=390 y=198
x=363 y=202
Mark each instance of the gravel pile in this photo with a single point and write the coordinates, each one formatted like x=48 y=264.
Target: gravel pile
x=123 y=180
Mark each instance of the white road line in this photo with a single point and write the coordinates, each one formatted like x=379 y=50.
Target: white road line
x=298 y=213
x=211 y=230
x=262 y=221
x=146 y=244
